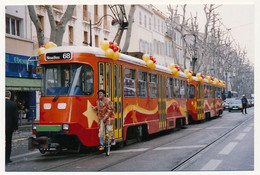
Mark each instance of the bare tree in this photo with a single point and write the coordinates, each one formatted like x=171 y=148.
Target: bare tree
x=57 y=30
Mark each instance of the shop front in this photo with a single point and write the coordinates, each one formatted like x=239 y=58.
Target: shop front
x=24 y=81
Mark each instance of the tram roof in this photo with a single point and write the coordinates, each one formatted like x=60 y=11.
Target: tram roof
x=98 y=52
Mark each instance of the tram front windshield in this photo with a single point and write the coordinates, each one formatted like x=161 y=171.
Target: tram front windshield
x=67 y=80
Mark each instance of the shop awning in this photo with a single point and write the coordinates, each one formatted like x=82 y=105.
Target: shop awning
x=22 y=84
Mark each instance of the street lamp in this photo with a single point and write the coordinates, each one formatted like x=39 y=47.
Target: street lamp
x=113 y=23
x=195 y=56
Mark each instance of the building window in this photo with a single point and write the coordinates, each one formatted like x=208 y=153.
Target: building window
x=86 y=36
x=154 y=25
x=145 y=23
x=158 y=25
x=85 y=13
x=142 y=84
x=140 y=18
x=96 y=41
x=70 y=35
x=150 y=24
x=152 y=85
x=129 y=82
x=13 y=26
x=95 y=13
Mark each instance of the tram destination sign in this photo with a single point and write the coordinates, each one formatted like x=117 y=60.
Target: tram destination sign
x=58 y=56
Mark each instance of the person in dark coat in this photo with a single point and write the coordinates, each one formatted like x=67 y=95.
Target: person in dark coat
x=244 y=104
x=11 y=124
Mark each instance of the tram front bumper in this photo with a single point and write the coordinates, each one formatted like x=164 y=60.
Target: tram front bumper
x=40 y=142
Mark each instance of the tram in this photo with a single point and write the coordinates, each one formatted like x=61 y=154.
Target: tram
x=146 y=101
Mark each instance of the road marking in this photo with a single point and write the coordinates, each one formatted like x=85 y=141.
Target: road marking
x=211 y=165
x=227 y=149
x=25 y=154
x=247 y=129
x=179 y=147
x=131 y=150
x=240 y=136
x=193 y=128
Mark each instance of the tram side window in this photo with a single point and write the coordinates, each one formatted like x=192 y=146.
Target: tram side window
x=169 y=87
x=152 y=85
x=176 y=89
x=129 y=82
x=210 y=92
x=191 y=93
x=142 y=84
x=217 y=92
x=182 y=90
x=206 y=91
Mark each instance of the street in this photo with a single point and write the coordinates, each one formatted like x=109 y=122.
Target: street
x=221 y=144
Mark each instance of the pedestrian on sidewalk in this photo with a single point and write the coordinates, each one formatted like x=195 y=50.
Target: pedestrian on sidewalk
x=244 y=104
x=11 y=124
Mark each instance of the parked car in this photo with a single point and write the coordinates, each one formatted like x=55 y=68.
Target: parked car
x=250 y=102
x=225 y=103
x=235 y=105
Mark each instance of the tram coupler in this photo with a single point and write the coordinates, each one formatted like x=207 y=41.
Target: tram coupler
x=40 y=142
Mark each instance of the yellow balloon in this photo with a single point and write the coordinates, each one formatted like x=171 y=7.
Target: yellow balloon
x=172 y=66
x=105 y=45
x=115 y=56
x=186 y=71
x=174 y=71
x=191 y=78
x=198 y=75
x=40 y=50
x=109 y=53
x=101 y=43
x=208 y=78
x=146 y=57
x=189 y=75
x=153 y=66
x=149 y=63
x=177 y=74
x=50 y=45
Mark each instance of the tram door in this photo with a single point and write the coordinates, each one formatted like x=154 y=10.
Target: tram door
x=200 y=102
x=110 y=79
x=162 y=102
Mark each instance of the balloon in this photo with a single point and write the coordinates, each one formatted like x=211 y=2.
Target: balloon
x=115 y=45
x=109 y=53
x=186 y=71
x=153 y=66
x=146 y=57
x=40 y=50
x=198 y=75
x=177 y=74
x=115 y=56
x=149 y=63
x=50 y=44
x=115 y=49
x=189 y=75
x=191 y=78
x=174 y=71
x=105 y=45
x=172 y=66
x=200 y=79
x=101 y=43
x=208 y=78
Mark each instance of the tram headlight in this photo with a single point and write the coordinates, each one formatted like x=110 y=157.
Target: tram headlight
x=65 y=126
x=34 y=126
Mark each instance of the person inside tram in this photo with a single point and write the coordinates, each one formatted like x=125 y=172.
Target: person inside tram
x=105 y=112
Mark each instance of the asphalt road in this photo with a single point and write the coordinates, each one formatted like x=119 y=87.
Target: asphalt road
x=222 y=144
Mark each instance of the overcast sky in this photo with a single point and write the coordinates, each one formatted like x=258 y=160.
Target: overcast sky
x=239 y=18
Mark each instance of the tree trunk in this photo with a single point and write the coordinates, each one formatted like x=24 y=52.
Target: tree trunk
x=37 y=24
x=129 y=29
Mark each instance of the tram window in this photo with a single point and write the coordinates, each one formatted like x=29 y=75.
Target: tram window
x=182 y=89
x=142 y=84
x=169 y=87
x=206 y=91
x=176 y=89
x=191 y=92
x=152 y=85
x=108 y=72
x=129 y=82
x=210 y=92
x=217 y=92
x=83 y=82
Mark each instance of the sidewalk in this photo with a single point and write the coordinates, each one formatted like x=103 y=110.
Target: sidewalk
x=24 y=130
